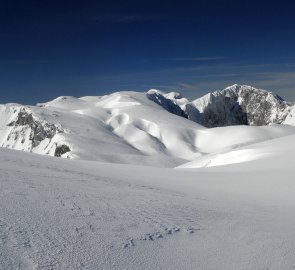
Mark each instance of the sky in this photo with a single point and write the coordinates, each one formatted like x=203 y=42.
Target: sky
x=52 y=48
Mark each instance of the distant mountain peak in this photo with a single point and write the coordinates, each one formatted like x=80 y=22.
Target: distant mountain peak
x=235 y=105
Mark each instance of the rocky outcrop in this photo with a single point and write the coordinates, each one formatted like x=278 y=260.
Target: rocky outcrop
x=61 y=150
x=235 y=105
x=242 y=105
x=168 y=103
x=39 y=130
x=25 y=131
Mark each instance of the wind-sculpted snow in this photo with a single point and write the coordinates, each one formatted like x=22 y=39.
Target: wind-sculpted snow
x=228 y=204
x=124 y=127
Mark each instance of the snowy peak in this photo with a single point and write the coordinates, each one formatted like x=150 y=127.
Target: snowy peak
x=243 y=92
x=241 y=104
x=234 y=105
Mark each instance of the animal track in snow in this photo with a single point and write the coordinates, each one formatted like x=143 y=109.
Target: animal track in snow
x=158 y=235
x=128 y=243
x=192 y=229
x=172 y=231
x=152 y=236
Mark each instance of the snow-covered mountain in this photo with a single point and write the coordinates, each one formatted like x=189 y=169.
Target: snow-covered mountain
x=150 y=128
x=89 y=213
x=234 y=105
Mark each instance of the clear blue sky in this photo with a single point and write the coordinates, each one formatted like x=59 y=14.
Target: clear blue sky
x=50 y=48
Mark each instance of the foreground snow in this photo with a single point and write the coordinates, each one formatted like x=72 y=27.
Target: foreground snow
x=73 y=214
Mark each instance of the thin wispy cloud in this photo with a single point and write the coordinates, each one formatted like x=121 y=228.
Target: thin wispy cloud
x=196 y=59
x=196 y=81
x=224 y=68
x=186 y=85
x=269 y=65
x=186 y=59
x=280 y=82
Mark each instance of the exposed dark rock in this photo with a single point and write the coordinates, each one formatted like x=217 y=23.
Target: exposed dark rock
x=167 y=104
x=235 y=105
x=223 y=111
x=23 y=118
x=61 y=149
x=39 y=131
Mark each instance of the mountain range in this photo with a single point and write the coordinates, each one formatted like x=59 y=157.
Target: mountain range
x=153 y=128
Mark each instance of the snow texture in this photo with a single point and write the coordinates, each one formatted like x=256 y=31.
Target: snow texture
x=137 y=185
x=73 y=214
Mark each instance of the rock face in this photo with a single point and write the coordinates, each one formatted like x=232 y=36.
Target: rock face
x=166 y=101
x=61 y=150
x=21 y=130
x=236 y=105
x=39 y=131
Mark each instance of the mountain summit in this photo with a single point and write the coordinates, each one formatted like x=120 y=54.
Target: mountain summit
x=234 y=105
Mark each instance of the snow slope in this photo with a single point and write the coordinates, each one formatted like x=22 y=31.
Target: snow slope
x=124 y=127
x=87 y=212
x=277 y=149
x=74 y=214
